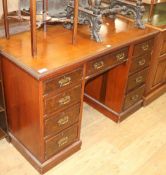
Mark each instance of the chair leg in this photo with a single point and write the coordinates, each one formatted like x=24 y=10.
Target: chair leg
x=75 y=23
x=6 y=22
x=19 y=10
x=45 y=10
x=33 y=28
x=151 y=11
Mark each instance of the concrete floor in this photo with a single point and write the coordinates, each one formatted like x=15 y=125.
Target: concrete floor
x=137 y=146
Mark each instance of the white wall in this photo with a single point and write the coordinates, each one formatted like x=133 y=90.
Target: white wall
x=12 y=6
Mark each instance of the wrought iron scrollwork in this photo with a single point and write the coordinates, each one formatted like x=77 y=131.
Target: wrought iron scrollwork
x=91 y=12
x=136 y=9
x=87 y=15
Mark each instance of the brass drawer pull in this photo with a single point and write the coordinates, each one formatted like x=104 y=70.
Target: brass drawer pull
x=141 y=62
x=65 y=100
x=63 y=141
x=98 y=65
x=139 y=79
x=63 y=121
x=145 y=46
x=134 y=98
x=120 y=56
x=64 y=81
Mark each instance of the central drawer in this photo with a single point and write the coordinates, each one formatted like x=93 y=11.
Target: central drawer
x=60 y=141
x=59 y=121
x=62 y=100
x=106 y=62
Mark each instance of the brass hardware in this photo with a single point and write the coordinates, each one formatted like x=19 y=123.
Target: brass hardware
x=64 y=81
x=145 y=46
x=63 y=141
x=134 y=98
x=98 y=65
x=65 y=100
x=120 y=56
x=139 y=79
x=141 y=62
x=63 y=120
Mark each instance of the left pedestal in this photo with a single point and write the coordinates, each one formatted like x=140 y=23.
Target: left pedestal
x=44 y=115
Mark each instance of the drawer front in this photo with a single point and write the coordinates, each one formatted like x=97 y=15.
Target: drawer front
x=62 y=120
x=142 y=48
x=60 y=141
x=106 y=62
x=62 y=100
x=136 y=80
x=133 y=97
x=140 y=63
x=62 y=82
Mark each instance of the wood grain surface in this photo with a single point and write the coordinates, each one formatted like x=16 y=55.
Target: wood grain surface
x=55 y=49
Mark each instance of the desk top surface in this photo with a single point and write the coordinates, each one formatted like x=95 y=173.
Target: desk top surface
x=160 y=28
x=55 y=50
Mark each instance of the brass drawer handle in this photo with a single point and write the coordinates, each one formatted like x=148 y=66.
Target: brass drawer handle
x=145 y=46
x=98 y=65
x=65 y=100
x=141 y=62
x=63 y=120
x=64 y=81
x=63 y=141
x=120 y=56
x=139 y=79
x=135 y=97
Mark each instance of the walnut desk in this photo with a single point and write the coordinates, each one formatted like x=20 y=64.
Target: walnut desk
x=44 y=95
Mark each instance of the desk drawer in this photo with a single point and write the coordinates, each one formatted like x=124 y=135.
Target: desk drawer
x=60 y=141
x=63 y=81
x=140 y=63
x=136 y=80
x=62 y=120
x=62 y=100
x=133 y=97
x=106 y=61
x=143 y=47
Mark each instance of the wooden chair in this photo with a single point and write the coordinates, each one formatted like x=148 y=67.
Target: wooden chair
x=5 y=12
x=152 y=4
x=33 y=23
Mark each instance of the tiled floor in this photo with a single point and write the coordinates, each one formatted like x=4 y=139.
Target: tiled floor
x=137 y=146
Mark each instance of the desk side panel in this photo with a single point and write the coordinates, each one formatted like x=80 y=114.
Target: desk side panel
x=22 y=102
x=156 y=80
